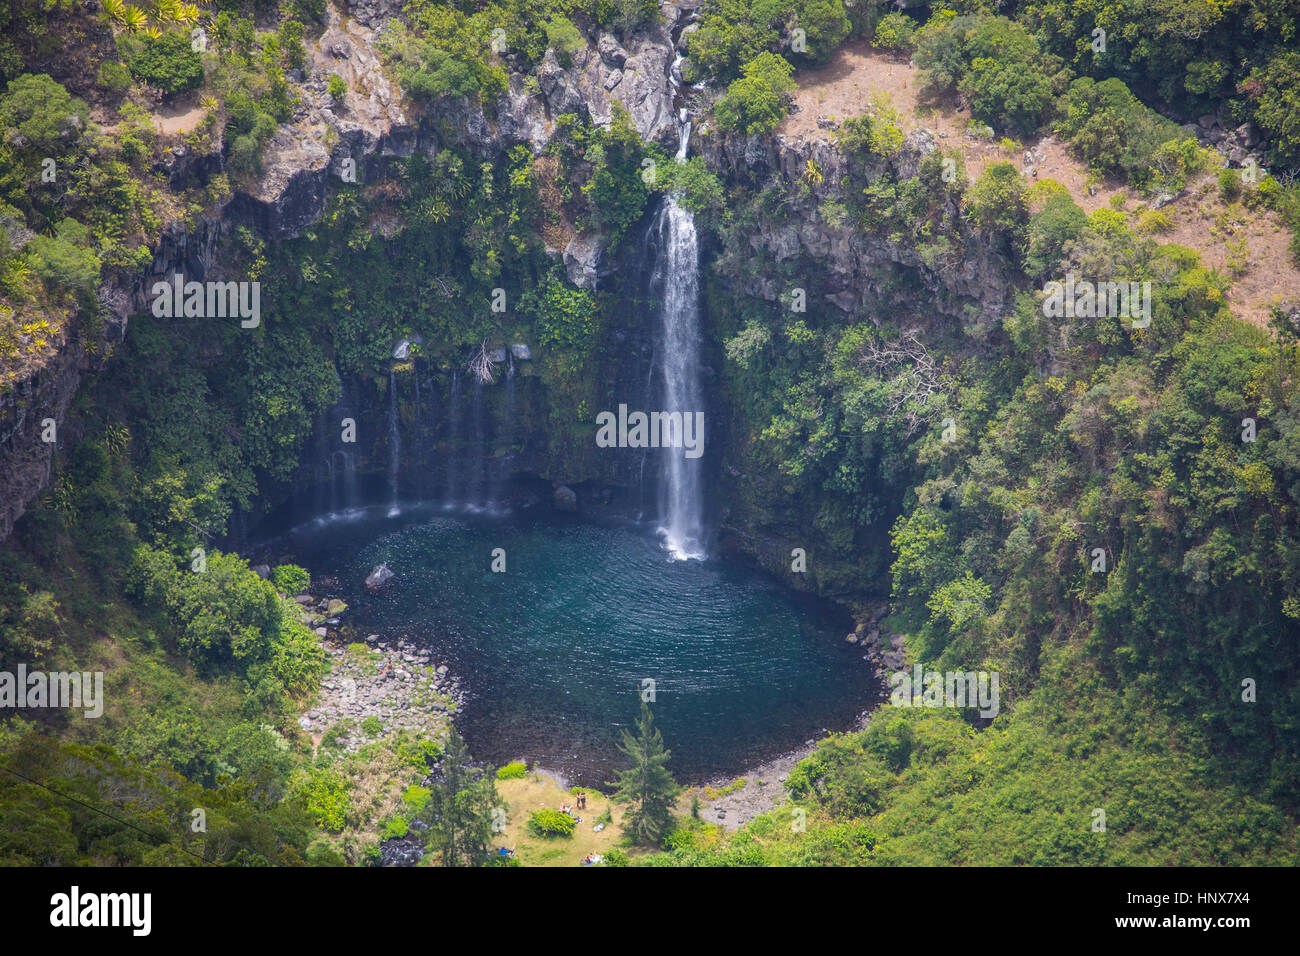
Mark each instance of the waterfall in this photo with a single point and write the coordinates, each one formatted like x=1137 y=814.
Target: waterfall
x=453 y=439
x=394 y=445
x=677 y=274
x=479 y=464
x=349 y=480
x=505 y=455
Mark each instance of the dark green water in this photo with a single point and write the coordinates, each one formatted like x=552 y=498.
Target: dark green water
x=554 y=650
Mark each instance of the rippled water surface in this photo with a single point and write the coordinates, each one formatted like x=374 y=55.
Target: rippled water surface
x=554 y=650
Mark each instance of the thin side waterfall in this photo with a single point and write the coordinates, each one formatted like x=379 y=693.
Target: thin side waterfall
x=479 y=464
x=501 y=461
x=394 y=445
x=349 y=479
x=681 y=488
x=453 y=440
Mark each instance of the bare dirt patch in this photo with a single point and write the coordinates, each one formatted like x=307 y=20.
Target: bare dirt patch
x=178 y=118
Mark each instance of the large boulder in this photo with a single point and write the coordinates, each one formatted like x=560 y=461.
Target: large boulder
x=611 y=51
x=380 y=578
x=582 y=260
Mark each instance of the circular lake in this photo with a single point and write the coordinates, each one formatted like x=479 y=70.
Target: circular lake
x=553 y=652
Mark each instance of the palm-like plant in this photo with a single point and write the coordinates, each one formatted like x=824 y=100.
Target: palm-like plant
x=115 y=10
x=188 y=13
x=133 y=19
x=152 y=32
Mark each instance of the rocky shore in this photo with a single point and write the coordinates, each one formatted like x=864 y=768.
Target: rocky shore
x=397 y=683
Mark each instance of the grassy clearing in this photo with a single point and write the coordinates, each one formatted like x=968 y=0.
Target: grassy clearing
x=525 y=794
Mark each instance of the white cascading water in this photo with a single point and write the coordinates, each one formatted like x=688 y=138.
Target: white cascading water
x=681 y=487
x=394 y=446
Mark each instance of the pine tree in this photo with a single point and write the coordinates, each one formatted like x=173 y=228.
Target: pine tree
x=647 y=785
x=459 y=811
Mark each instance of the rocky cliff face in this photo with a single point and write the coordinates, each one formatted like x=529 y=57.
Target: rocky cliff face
x=362 y=135
x=374 y=127
x=973 y=287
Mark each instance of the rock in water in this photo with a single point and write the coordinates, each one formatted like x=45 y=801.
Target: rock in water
x=566 y=499
x=379 y=578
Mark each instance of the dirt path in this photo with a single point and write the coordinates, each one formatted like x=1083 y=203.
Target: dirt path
x=856 y=75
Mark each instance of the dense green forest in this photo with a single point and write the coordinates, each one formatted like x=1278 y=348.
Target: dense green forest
x=968 y=474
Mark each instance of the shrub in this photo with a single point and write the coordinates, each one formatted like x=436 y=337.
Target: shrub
x=615 y=857
x=1154 y=221
x=64 y=261
x=114 y=76
x=617 y=191
x=626 y=15
x=1058 y=222
x=512 y=771
x=697 y=187
x=43 y=113
x=1229 y=184
x=550 y=823
x=337 y=87
x=421 y=755
x=325 y=795
x=290 y=579
x=372 y=726
x=563 y=37
x=896 y=31
x=1113 y=131
x=758 y=101
x=416 y=798
x=564 y=315
x=997 y=200
x=169 y=63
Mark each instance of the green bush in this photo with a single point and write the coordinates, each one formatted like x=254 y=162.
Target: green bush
x=759 y=100
x=997 y=200
x=114 y=76
x=512 y=771
x=617 y=190
x=325 y=795
x=1229 y=184
x=995 y=63
x=372 y=726
x=168 y=63
x=416 y=798
x=64 y=261
x=896 y=31
x=564 y=316
x=337 y=88
x=1114 y=132
x=563 y=37
x=550 y=823
x=290 y=579
x=43 y=113
x=1058 y=222
x=626 y=15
